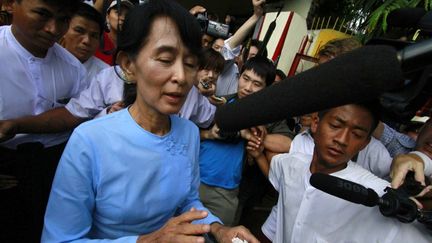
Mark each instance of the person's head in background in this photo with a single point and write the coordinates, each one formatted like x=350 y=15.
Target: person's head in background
x=218 y=44
x=207 y=40
x=158 y=52
x=210 y=66
x=280 y=75
x=335 y=48
x=257 y=73
x=6 y=10
x=85 y=30
x=39 y=24
x=327 y=52
x=250 y=49
x=114 y=18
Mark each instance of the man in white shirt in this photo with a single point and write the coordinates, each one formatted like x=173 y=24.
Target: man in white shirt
x=305 y=214
x=83 y=37
x=36 y=75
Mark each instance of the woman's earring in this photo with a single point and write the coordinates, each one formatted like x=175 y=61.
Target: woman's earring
x=108 y=26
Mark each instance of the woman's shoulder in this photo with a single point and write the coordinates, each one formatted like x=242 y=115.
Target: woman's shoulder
x=183 y=124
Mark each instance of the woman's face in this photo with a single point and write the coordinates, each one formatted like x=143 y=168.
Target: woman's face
x=115 y=19
x=164 y=69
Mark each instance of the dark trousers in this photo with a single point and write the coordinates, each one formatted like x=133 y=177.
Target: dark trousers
x=22 y=207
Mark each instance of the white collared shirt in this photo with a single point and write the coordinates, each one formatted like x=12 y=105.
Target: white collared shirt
x=93 y=66
x=227 y=82
x=306 y=214
x=30 y=85
x=106 y=88
x=374 y=157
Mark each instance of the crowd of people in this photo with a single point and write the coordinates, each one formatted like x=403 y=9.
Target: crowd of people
x=107 y=133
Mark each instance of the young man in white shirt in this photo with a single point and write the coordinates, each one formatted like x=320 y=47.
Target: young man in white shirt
x=306 y=214
x=37 y=75
x=83 y=37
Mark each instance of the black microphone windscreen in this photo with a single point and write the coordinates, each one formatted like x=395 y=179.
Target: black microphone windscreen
x=357 y=76
x=344 y=189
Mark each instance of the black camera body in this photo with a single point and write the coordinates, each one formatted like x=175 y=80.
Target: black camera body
x=213 y=28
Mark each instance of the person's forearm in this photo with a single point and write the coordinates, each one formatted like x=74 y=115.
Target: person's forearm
x=378 y=131
x=263 y=164
x=277 y=143
x=241 y=34
x=52 y=121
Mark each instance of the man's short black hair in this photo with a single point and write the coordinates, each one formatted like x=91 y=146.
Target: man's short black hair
x=263 y=67
x=88 y=12
x=211 y=60
x=64 y=5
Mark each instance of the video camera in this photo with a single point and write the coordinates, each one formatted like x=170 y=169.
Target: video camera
x=213 y=28
x=401 y=105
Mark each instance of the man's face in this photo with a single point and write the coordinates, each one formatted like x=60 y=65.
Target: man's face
x=38 y=25
x=206 y=41
x=424 y=139
x=339 y=135
x=253 y=51
x=218 y=44
x=82 y=38
x=249 y=83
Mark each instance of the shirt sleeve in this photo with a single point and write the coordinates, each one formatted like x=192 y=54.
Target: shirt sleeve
x=276 y=170
x=230 y=53
x=427 y=162
x=396 y=142
x=69 y=213
x=90 y=102
x=269 y=226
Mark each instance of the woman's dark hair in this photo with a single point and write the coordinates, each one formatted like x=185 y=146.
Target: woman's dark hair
x=211 y=60
x=138 y=20
x=263 y=67
x=88 y=12
x=135 y=32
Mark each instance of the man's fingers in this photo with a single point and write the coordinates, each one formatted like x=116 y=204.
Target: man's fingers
x=245 y=234
x=419 y=175
x=190 y=216
x=193 y=229
x=398 y=178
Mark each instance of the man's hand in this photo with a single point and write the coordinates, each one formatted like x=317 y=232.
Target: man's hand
x=258 y=6
x=404 y=163
x=116 y=107
x=254 y=135
x=225 y=234
x=213 y=133
x=7 y=130
x=197 y=9
x=180 y=229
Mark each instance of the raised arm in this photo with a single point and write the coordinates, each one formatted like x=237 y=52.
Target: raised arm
x=241 y=34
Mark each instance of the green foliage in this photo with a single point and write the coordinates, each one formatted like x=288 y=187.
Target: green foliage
x=378 y=18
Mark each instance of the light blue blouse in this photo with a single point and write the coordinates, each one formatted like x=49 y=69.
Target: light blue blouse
x=116 y=181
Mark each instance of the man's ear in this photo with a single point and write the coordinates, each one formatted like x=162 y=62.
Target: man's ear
x=127 y=65
x=314 y=123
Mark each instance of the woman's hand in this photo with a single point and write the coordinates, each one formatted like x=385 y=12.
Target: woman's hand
x=180 y=229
